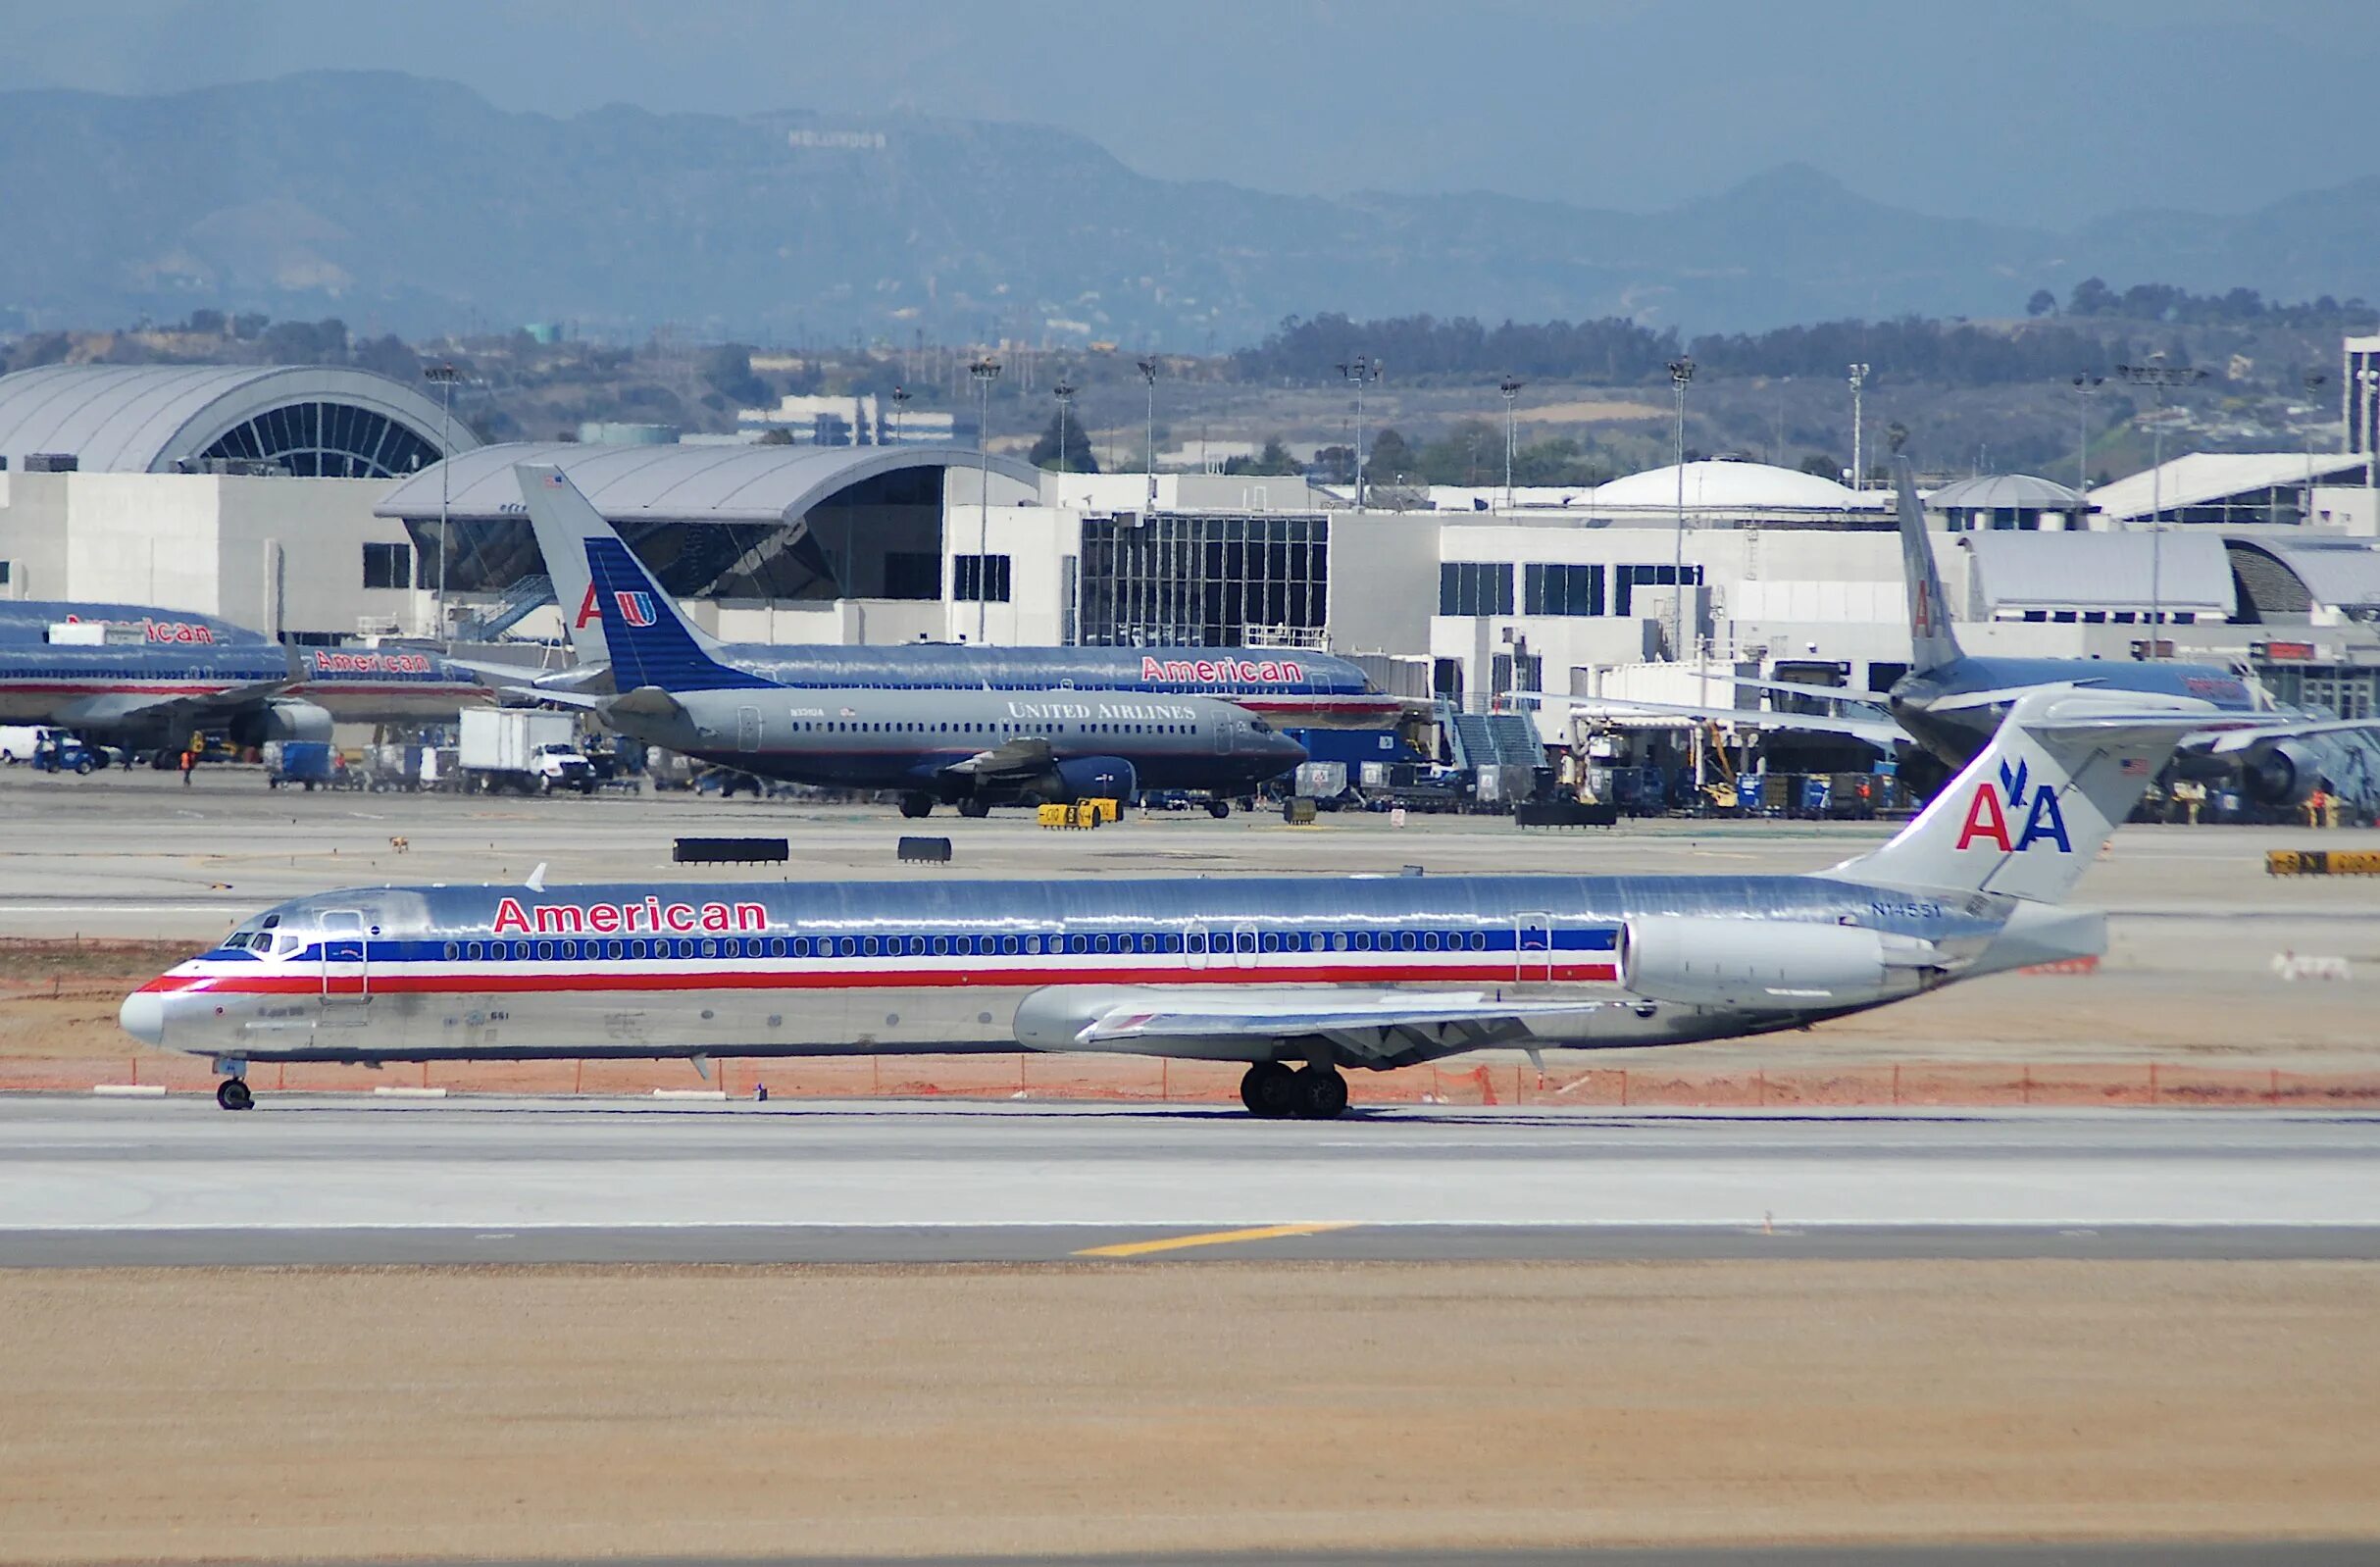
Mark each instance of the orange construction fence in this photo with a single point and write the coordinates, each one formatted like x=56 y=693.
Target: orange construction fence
x=1139 y=1080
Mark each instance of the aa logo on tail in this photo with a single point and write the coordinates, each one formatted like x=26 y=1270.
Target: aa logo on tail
x=1992 y=805
x=590 y=610
x=636 y=608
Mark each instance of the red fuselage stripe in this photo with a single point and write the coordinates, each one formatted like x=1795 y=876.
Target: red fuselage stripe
x=395 y=981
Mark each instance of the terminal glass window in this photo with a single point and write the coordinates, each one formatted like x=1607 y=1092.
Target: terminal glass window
x=979 y=576
x=1557 y=590
x=1475 y=588
x=387 y=566
x=1212 y=580
x=326 y=440
x=1628 y=577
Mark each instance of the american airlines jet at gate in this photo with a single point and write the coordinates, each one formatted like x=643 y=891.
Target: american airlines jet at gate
x=1299 y=977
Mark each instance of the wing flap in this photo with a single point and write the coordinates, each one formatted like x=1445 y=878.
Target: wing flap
x=1380 y=1026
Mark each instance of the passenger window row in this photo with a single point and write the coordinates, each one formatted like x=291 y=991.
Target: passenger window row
x=1152 y=942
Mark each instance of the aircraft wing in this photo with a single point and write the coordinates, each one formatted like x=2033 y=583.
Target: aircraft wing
x=1386 y=1026
x=2240 y=737
x=102 y=711
x=1880 y=733
x=1025 y=754
x=520 y=677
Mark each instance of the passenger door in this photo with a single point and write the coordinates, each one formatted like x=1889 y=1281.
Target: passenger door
x=346 y=966
x=1533 y=948
x=747 y=729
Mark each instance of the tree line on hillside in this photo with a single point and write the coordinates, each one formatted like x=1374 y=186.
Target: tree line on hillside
x=2055 y=344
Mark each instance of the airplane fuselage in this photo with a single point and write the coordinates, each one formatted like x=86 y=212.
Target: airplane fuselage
x=915 y=739
x=118 y=691
x=770 y=969
x=1925 y=701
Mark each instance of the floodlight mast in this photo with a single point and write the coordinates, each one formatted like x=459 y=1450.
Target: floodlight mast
x=900 y=406
x=2085 y=386
x=444 y=375
x=1681 y=371
x=2158 y=376
x=1064 y=391
x=1860 y=380
x=985 y=371
x=1511 y=386
x=1359 y=370
x=1148 y=373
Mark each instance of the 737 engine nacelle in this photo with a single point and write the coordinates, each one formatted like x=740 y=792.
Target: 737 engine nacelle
x=281 y=720
x=1089 y=777
x=1765 y=964
x=2282 y=775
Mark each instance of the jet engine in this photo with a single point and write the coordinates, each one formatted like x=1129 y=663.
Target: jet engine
x=2281 y=775
x=1089 y=777
x=282 y=719
x=1764 y=963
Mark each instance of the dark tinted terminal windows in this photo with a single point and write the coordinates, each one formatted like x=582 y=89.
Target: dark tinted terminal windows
x=387 y=566
x=1555 y=589
x=1627 y=577
x=1204 y=580
x=1474 y=588
x=979 y=577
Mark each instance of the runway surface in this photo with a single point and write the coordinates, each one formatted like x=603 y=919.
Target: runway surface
x=302 y=1180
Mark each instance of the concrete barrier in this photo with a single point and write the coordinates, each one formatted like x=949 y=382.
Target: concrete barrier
x=129 y=1090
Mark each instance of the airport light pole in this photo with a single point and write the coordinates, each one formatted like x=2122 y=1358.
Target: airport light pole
x=1065 y=406
x=900 y=406
x=1681 y=371
x=2159 y=377
x=2369 y=376
x=985 y=371
x=1148 y=373
x=444 y=375
x=1860 y=380
x=2085 y=386
x=1359 y=370
x=2314 y=381
x=1511 y=388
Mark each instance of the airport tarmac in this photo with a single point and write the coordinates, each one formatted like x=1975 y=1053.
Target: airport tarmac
x=313 y=1180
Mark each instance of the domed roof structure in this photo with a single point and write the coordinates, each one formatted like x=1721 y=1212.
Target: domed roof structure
x=2006 y=492
x=1730 y=486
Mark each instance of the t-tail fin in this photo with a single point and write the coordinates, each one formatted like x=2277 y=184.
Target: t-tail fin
x=2036 y=806
x=650 y=641
x=1933 y=643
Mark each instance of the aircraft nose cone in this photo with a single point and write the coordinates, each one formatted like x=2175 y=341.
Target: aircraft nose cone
x=143 y=1016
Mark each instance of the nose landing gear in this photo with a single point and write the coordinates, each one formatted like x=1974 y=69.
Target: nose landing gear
x=1277 y=1092
x=232 y=1094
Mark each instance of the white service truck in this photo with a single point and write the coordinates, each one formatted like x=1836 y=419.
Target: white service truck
x=515 y=748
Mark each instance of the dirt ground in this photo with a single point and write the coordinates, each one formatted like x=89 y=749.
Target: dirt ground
x=275 y=1414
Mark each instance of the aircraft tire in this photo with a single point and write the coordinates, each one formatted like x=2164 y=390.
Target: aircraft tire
x=1270 y=1092
x=974 y=809
x=233 y=1093
x=1325 y=1093
x=917 y=806
x=1218 y=808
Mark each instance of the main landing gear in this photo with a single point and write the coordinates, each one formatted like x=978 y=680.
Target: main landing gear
x=972 y=807
x=232 y=1094
x=1278 y=1093
x=915 y=806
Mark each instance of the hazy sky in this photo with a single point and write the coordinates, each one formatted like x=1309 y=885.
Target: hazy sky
x=2032 y=111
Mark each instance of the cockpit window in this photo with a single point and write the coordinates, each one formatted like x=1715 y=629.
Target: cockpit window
x=1260 y=726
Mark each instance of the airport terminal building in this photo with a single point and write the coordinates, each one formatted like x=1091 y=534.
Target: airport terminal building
x=326 y=504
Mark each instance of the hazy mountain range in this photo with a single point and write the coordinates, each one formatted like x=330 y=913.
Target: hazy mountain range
x=415 y=205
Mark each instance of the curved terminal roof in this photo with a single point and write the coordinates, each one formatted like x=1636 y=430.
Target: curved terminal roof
x=151 y=418
x=1733 y=486
x=2341 y=573
x=2024 y=492
x=634 y=483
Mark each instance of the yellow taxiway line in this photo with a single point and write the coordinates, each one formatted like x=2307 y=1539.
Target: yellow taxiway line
x=1213 y=1237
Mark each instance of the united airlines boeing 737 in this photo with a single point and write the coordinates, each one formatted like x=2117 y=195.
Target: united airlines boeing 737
x=1301 y=978
x=1295 y=687
x=969 y=748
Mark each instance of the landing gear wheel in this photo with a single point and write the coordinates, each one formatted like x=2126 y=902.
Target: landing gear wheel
x=974 y=809
x=915 y=806
x=1271 y=1090
x=1325 y=1091
x=1218 y=809
x=232 y=1094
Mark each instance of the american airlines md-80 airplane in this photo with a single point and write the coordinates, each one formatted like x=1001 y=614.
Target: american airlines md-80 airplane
x=1300 y=977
